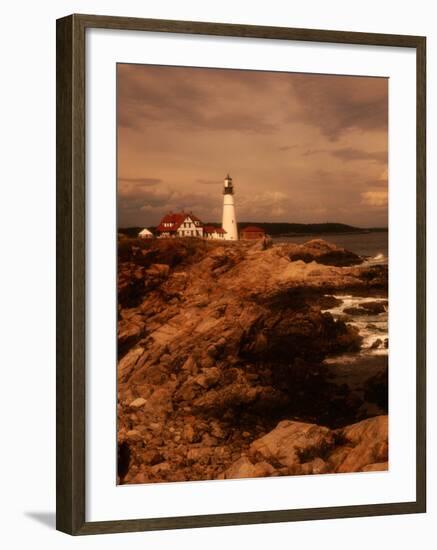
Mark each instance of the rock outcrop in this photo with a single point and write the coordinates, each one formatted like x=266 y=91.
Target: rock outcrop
x=324 y=253
x=296 y=448
x=217 y=343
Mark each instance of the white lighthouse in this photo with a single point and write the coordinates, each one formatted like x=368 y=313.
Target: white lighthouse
x=229 y=218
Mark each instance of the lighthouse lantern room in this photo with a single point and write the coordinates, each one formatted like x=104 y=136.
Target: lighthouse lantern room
x=229 y=217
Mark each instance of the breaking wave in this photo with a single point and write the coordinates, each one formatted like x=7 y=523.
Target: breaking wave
x=373 y=327
x=378 y=259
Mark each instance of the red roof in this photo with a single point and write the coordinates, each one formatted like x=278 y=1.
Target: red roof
x=212 y=229
x=194 y=218
x=253 y=229
x=175 y=219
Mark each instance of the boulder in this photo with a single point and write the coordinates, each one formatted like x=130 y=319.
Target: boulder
x=325 y=253
x=158 y=270
x=376 y=344
x=188 y=433
x=316 y=466
x=375 y=307
x=292 y=443
x=356 y=311
x=208 y=377
x=369 y=441
x=367 y=308
x=137 y=403
x=128 y=362
x=243 y=468
x=377 y=467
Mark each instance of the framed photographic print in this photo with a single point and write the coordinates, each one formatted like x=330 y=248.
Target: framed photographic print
x=241 y=274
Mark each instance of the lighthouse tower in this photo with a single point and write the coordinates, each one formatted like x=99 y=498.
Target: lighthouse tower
x=229 y=218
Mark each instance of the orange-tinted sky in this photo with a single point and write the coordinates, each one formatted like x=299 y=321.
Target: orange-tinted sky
x=301 y=148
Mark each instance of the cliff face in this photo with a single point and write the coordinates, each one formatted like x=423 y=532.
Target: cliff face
x=221 y=350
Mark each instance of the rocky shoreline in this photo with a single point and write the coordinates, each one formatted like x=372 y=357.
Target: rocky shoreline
x=223 y=370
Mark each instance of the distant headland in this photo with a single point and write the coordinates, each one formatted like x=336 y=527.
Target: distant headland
x=278 y=229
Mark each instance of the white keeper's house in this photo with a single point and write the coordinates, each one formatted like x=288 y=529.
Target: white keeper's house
x=183 y=224
x=180 y=224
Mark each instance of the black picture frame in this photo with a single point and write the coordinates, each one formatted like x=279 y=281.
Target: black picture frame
x=71 y=248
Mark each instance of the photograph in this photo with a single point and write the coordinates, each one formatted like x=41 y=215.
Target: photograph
x=252 y=274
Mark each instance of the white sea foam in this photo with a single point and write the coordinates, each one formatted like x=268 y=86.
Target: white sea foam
x=378 y=259
x=372 y=327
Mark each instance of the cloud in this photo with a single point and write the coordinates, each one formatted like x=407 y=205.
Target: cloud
x=148 y=205
x=310 y=152
x=208 y=182
x=185 y=99
x=134 y=199
x=132 y=192
x=375 y=198
x=158 y=197
x=286 y=147
x=140 y=181
x=277 y=203
x=351 y=154
x=338 y=104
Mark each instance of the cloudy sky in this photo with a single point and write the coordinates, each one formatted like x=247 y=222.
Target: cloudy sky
x=300 y=148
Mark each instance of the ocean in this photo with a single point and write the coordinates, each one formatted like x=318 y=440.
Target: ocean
x=372 y=328
x=372 y=245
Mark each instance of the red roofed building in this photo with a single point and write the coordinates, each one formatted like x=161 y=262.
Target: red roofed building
x=211 y=232
x=252 y=232
x=180 y=224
